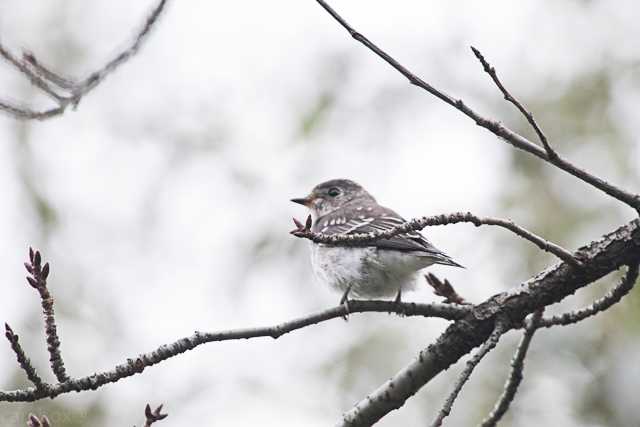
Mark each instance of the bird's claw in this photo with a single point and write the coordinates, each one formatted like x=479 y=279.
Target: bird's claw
x=344 y=301
x=397 y=301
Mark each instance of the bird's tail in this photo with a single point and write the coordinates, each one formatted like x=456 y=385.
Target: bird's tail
x=445 y=259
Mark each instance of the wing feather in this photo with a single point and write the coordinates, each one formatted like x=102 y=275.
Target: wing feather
x=361 y=218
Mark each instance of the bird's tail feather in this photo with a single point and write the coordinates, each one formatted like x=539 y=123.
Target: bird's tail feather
x=446 y=260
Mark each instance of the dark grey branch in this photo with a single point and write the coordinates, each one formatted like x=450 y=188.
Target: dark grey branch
x=138 y=364
x=493 y=126
x=489 y=344
x=65 y=91
x=600 y=305
x=515 y=376
x=600 y=257
x=444 y=219
x=507 y=95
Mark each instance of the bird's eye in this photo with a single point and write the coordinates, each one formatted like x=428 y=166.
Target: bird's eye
x=334 y=191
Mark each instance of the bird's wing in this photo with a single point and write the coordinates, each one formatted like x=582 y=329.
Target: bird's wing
x=379 y=219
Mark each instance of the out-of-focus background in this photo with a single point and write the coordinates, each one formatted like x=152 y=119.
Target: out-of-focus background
x=162 y=203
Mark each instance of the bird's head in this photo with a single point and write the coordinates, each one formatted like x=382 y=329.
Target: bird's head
x=331 y=195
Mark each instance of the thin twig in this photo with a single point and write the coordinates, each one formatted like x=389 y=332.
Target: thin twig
x=507 y=95
x=602 y=256
x=515 y=376
x=43 y=77
x=23 y=360
x=33 y=77
x=444 y=219
x=493 y=126
x=60 y=81
x=138 y=364
x=37 y=278
x=500 y=328
x=600 y=305
x=24 y=113
x=95 y=78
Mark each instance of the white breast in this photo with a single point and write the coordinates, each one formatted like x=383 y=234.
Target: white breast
x=371 y=272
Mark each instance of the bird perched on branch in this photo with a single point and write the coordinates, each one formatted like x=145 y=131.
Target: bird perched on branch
x=382 y=268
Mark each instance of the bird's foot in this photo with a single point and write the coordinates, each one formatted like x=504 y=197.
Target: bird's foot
x=397 y=301
x=344 y=301
x=347 y=310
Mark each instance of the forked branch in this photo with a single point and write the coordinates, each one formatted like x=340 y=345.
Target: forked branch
x=500 y=328
x=600 y=305
x=617 y=248
x=65 y=91
x=515 y=375
x=493 y=126
x=426 y=221
x=23 y=360
x=37 y=278
x=507 y=95
x=138 y=364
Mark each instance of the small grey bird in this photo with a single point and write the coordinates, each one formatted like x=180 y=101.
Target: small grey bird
x=383 y=268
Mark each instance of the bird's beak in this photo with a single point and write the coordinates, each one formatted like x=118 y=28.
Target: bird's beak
x=304 y=201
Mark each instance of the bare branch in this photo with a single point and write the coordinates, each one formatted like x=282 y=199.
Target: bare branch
x=138 y=364
x=507 y=95
x=23 y=360
x=617 y=248
x=52 y=83
x=37 y=278
x=515 y=376
x=95 y=78
x=600 y=305
x=62 y=82
x=33 y=77
x=24 y=113
x=473 y=326
x=444 y=219
x=492 y=341
x=493 y=126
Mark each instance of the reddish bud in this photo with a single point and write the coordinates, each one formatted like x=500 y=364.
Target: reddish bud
x=45 y=270
x=11 y=336
x=32 y=282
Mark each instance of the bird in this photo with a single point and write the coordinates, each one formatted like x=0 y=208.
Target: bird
x=379 y=269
